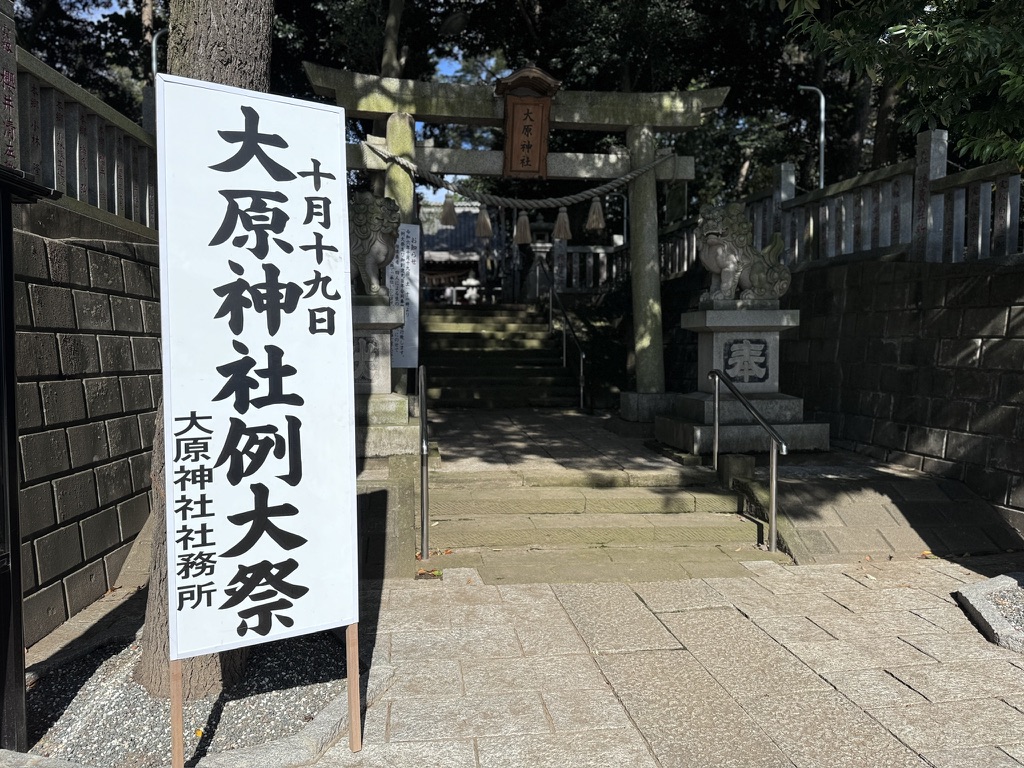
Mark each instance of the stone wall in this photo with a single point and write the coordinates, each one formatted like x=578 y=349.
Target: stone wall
x=918 y=364
x=88 y=364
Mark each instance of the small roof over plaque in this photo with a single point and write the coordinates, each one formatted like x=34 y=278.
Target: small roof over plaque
x=528 y=80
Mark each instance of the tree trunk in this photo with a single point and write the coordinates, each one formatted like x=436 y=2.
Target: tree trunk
x=226 y=42
x=885 y=127
x=222 y=41
x=852 y=161
x=392 y=63
x=202 y=676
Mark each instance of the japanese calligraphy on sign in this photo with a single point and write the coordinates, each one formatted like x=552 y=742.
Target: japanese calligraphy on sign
x=258 y=378
x=526 y=137
x=527 y=93
x=403 y=282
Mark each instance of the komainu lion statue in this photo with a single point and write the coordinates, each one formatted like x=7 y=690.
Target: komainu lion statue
x=724 y=243
x=373 y=230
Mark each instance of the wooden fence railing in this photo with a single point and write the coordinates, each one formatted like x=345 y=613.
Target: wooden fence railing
x=67 y=139
x=912 y=207
x=585 y=269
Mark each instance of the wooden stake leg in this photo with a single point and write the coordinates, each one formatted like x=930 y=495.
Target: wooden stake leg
x=355 y=723
x=177 y=718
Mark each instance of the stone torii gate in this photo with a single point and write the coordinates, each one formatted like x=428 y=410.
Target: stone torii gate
x=639 y=115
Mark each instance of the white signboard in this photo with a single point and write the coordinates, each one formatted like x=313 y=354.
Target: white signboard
x=403 y=282
x=257 y=351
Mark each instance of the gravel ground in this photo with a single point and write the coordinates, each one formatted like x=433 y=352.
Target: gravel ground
x=90 y=711
x=1010 y=603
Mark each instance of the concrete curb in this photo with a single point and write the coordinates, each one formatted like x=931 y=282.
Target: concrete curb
x=976 y=600
x=299 y=749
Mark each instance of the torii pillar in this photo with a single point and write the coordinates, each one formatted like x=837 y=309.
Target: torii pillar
x=398 y=184
x=645 y=267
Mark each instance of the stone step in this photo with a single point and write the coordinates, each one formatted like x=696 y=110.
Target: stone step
x=696 y=438
x=469 y=342
x=598 y=547
x=694 y=477
x=436 y=326
x=502 y=311
x=492 y=361
x=446 y=375
x=573 y=531
x=494 y=357
x=449 y=398
x=528 y=389
x=533 y=497
x=577 y=504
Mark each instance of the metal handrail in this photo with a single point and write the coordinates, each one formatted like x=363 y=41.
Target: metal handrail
x=777 y=445
x=421 y=387
x=566 y=324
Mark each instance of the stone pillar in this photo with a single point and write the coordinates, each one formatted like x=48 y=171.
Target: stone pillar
x=398 y=183
x=926 y=244
x=644 y=265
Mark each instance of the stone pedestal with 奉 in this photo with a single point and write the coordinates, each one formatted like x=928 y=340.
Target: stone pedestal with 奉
x=739 y=335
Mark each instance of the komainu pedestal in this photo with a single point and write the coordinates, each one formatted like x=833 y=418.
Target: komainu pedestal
x=743 y=342
x=740 y=337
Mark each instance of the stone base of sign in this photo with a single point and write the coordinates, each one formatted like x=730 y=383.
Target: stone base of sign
x=383 y=427
x=383 y=410
x=372 y=323
x=388 y=505
x=743 y=342
x=376 y=440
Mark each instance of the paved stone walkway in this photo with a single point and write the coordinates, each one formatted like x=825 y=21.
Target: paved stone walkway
x=831 y=513
x=867 y=664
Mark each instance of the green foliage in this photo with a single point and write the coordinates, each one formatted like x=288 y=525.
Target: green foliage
x=98 y=44
x=347 y=34
x=958 y=63
x=661 y=45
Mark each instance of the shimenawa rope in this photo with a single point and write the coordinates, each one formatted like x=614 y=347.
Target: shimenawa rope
x=515 y=202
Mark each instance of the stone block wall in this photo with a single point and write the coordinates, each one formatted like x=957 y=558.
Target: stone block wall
x=88 y=366
x=918 y=364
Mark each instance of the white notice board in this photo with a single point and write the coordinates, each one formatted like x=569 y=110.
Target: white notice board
x=259 y=415
x=403 y=283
